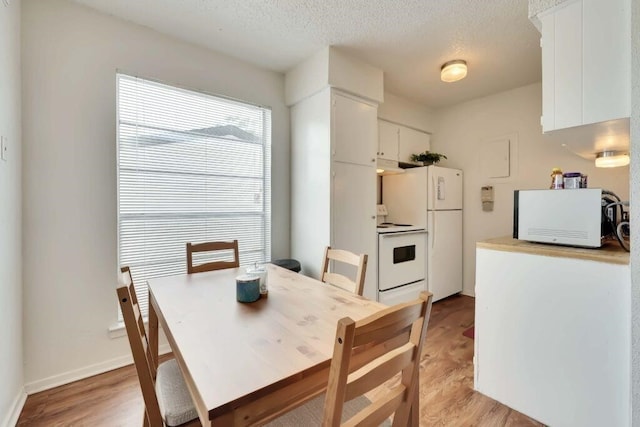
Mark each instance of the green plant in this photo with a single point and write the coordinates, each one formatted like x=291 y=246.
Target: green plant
x=427 y=157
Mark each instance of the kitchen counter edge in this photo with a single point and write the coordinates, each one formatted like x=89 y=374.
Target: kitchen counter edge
x=610 y=252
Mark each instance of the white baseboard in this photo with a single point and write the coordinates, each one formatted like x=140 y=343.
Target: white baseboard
x=11 y=419
x=82 y=373
x=469 y=294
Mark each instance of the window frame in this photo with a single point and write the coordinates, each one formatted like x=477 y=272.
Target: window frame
x=265 y=179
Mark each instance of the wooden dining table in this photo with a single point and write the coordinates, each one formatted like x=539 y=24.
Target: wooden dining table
x=248 y=363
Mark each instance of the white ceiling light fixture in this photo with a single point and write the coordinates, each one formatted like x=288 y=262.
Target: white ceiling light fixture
x=611 y=159
x=453 y=71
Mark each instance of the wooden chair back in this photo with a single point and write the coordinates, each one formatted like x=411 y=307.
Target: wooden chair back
x=340 y=280
x=209 y=247
x=140 y=348
x=371 y=351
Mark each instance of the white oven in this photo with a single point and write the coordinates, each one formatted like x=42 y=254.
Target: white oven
x=401 y=264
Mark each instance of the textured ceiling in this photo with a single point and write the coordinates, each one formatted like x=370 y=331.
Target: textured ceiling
x=408 y=39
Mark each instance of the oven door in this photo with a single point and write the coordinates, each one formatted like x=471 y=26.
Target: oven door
x=401 y=258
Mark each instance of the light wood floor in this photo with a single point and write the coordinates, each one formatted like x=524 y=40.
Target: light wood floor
x=446 y=386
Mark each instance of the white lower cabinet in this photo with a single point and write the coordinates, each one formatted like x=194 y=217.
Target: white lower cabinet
x=552 y=337
x=353 y=227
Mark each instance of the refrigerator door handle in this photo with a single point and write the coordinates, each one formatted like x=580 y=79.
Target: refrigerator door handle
x=433 y=193
x=433 y=229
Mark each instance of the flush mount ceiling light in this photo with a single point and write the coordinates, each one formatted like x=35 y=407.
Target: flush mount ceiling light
x=453 y=71
x=611 y=159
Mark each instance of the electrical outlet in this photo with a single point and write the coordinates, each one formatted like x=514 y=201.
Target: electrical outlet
x=3 y=147
x=382 y=210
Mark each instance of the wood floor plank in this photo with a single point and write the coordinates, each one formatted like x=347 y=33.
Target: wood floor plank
x=446 y=386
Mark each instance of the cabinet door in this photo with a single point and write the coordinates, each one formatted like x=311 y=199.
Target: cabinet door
x=547 y=43
x=606 y=60
x=388 y=140
x=412 y=142
x=568 y=66
x=354 y=130
x=353 y=217
x=586 y=63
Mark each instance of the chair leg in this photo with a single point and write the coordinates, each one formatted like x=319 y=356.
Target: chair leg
x=414 y=415
x=153 y=338
x=145 y=419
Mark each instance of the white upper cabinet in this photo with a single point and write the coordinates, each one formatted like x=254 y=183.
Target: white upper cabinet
x=412 y=142
x=388 y=140
x=586 y=63
x=354 y=130
x=607 y=34
x=398 y=143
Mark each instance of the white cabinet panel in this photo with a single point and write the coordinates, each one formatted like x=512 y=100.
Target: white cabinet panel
x=412 y=142
x=606 y=60
x=333 y=202
x=568 y=66
x=548 y=72
x=398 y=143
x=586 y=63
x=353 y=216
x=552 y=337
x=354 y=130
x=388 y=140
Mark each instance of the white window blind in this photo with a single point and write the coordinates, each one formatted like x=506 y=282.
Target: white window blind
x=191 y=168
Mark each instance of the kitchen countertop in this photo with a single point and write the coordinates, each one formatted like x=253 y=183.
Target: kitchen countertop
x=611 y=252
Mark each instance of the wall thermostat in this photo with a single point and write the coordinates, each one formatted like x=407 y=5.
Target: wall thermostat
x=487 y=196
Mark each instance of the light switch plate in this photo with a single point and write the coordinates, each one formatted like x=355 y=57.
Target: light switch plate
x=3 y=147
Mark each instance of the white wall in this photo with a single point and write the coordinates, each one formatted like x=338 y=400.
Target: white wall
x=460 y=133
x=70 y=57
x=406 y=112
x=11 y=372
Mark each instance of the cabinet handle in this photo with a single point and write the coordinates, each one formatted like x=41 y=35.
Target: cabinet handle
x=382 y=154
x=373 y=160
x=373 y=217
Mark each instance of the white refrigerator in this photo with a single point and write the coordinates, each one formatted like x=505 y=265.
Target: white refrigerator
x=431 y=197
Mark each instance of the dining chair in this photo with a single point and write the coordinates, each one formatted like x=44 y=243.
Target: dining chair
x=210 y=247
x=371 y=351
x=166 y=398
x=366 y=354
x=340 y=280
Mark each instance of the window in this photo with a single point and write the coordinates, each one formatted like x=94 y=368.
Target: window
x=191 y=168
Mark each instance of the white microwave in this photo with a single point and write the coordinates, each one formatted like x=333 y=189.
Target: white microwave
x=562 y=217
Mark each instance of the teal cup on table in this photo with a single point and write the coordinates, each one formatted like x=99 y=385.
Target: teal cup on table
x=247 y=288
